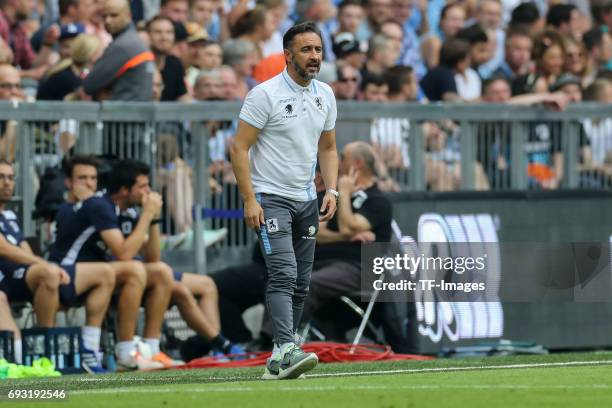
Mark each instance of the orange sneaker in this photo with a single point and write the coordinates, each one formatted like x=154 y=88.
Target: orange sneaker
x=166 y=360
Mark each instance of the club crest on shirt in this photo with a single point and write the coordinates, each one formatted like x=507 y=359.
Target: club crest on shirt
x=272 y=225
x=289 y=112
x=319 y=103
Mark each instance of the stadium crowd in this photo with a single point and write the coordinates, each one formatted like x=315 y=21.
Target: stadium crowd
x=548 y=53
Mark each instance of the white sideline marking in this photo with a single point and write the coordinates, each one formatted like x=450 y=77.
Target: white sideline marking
x=207 y=388
x=444 y=369
x=307 y=388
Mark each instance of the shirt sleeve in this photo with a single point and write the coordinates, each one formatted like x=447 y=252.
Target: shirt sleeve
x=101 y=214
x=256 y=108
x=332 y=113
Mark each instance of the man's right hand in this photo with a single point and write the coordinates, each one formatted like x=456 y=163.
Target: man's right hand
x=152 y=204
x=253 y=214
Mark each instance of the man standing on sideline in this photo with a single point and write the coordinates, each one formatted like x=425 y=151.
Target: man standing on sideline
x=285 y=122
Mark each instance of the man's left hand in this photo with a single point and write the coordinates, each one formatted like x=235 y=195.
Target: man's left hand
x=328 y=208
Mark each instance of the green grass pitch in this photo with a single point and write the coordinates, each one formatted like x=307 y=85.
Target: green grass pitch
x=558 y=380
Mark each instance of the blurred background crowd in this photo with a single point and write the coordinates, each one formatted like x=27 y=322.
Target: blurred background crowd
x=546 y=52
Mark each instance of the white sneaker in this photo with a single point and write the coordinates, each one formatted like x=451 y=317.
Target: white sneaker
x=139 y=359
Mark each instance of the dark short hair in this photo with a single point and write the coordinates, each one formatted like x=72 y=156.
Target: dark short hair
x=473 y=34
x=5 y=162
x=398 y=76
x=525 y=13
x=157 y=18
x=600 y=8
x=448 y=7
x=125 y=173
x=592 y=38
x=373 y=79
x=301 y=28
x=347 y=3
x=64 y=5
x=453 y=51
x=559 y=14
x=81 y=160
x=488 y=82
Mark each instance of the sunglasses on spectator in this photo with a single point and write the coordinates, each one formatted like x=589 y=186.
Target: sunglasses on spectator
x=9 y=86
x=7 y=177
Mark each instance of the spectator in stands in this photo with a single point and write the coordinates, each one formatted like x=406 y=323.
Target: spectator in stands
x=599 y=48
x=348 y=50
x=545 y=162
x=158 y=85
x=566 y=19
x=204 y=13
x=373 y=88
x=95 y=24
x=10 y=90
x=452 y=20
x=208 y=86
x=176 y=10
x=528 y=16
x=230 y=83
x=71 y=13
x=439 y=83
x=125 y=70
x=517 y=61
x=129 y=188
x=205 y=55
x=489 y=17
x=382 y=54
x=25 y=276
x=321 y=12
x=576 y=60
x=351 y=16
x=241 y=55
x=599 y=131
x=377 y=12
x=66 y=77
x=180 y=49
x=256 y=26
x=161 y=32
x=601 y=11
x=389 y=136
x=410 y=44
x=67 y=35
x=468 y=82
x=84 y=231
x=347 y=84
x=13 y=13
x=365 y=211
x=549 y=56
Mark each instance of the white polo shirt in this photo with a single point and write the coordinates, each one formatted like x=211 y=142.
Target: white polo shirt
x=290 y=118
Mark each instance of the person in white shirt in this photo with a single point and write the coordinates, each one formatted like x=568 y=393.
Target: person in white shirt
x=285 y=123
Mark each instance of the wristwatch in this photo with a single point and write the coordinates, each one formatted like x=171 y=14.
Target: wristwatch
x=333 y=192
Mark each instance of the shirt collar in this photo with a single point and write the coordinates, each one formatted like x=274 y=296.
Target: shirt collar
x=295 y=87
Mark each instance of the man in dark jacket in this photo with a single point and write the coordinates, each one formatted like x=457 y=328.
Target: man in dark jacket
x=125 y=70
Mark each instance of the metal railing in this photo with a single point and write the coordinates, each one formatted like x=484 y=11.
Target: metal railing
x=424 y=147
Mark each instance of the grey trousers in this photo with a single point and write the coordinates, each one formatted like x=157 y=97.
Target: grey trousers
x=287 y=240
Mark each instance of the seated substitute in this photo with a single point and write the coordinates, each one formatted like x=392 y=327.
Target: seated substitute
x=129 y=189
x=85 y=230
x=27 y=277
